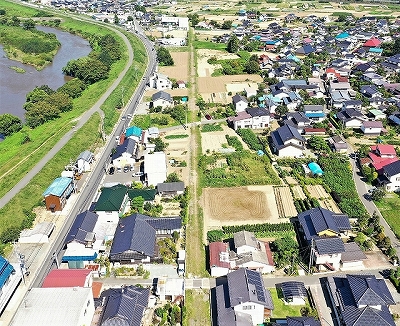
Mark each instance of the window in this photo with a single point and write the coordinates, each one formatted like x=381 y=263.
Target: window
x=250 y=307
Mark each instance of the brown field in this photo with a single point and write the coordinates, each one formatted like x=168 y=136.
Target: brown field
x=239 y=205
x=180 y=70
x=213 y=141
x=298 y=192
x=330 y=204
x=284 y=202
x=317 y=191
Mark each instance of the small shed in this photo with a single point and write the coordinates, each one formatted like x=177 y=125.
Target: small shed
x=315 y=169
x=84 y=160
x=294 y=293
x=57 y=193
x=170 y=188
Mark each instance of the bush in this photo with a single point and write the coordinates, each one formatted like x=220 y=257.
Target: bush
x=250 y=138
x=211 y=127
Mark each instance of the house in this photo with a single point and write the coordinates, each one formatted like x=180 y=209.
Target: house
x=162 y=99
x=294 y=293
x=220 y=263
x=314 y=112
x=170 y=189
x=352 y=104
x=65 y=278
x=136 y=235
x=160 y=82
x=111 y=204
x=181 y=84
x=81 y=231
x=377 y=114
x=134 y=132
x=84 y=161
x=254 y=118
x=124 y=306
x=395 y=117
x=351 y=118
x=56 y=195
x=372 y=127
x=171 y=289
x=338 y=144
x=360 y=300
x=240 y=103
x=155 y=168
x=287 y=141
x=39 y=234
x=339 y=97
x=243 y=300
x=390 y=177
x=10 y=277
x=250 y=91
x=66 y=306
x=352 y=258
x=297 y=120
x=125 y=154
x=370 y=91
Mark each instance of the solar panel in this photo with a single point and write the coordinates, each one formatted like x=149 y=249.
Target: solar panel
x=293 y=289
x=255 y=279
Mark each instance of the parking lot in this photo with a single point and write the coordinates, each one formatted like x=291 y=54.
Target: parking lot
x=122 y=177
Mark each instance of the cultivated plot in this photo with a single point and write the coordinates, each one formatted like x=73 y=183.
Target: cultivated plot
x=284 y=201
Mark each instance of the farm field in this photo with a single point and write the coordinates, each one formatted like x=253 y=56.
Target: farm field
x=284 y=202
x=329 y=204
x=389 y=207
x=239 y=205
x=298 y=192
x=317 y=191
x=180 y=70
x=213 y=141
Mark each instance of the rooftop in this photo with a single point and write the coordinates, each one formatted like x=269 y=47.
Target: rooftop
x=58 y=187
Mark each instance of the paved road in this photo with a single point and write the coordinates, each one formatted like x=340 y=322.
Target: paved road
x=362 y=190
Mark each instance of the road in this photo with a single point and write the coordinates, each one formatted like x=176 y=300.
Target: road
x=362 y=190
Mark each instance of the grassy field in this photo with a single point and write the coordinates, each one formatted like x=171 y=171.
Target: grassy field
x=390 y=208
x=152 y=120
x=88 y=137
x=209 y=45
x=280 y=309
x=197 y=304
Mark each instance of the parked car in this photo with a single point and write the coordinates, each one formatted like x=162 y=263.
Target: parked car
x=111 y=170
x=208 y=117
x=126 y=169
x=137 y=174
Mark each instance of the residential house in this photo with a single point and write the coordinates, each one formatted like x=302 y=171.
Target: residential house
x=390 y=177
x=352 y=104
x=377 y=114
x=360 y=300
x=125 y=155
x=65 y=306
x=181 y=84
x=338 y=144
x=370 y=91
x=297 y=120
x=81 y=231
x=56 y=195
x=339 y=97
x=351 y=118
x=160 y=82
x=40 y=233
x=171 y=289
x=297 y=321
x=287 y=141
x=170 y=189
x=294 y=293
x=250 y=91
x=314 y=112
x=124 y=306
x=155 y=168
x=84 y=161
x=395 y=117
x=111 y=204
x=372 y=127
x=66 y=278
x=134 y=132
x=372 y=78
x=162 y=99
x=243 y=300
x=220 y=263
x=254 y=118
x=136 y=235
x=240 y=103
x=10 y=277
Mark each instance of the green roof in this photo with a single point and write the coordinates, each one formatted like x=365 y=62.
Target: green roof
x=111 y=199
x=147 y=194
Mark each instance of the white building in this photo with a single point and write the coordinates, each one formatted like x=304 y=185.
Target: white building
x=155 y=168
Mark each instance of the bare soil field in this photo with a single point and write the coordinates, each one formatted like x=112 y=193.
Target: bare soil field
x=213 y=141
x=204 y=69
x=180 y=70
x=317 y=191
x=284 y=202
x=298 y=192
x=291 y=180
x=240 y=205
x=330 y=204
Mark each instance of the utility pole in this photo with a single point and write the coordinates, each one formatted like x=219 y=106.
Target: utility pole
x=311 y=256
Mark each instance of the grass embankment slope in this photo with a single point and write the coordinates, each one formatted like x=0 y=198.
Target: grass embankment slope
x=389 y=207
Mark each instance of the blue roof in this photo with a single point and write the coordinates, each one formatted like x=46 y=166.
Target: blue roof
x=128 y=146
x=58 y=187
x=315 y=168
x=375 y=50
x=80 y=258
x=133 y=131
x=283 y=134
x=315 y=114
x=342 y=35
x=6 y=269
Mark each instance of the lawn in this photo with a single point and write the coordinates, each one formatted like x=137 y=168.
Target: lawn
x=209 y=45
x=159 y=120
x=280 y=309
x=389 y=208
x=197 y=308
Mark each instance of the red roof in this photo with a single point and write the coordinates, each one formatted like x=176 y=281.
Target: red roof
x=317 y=130
x=384 y=149
x=96 y=289
x=269 y=254
x=58 y=278
x=379 y=165
x=373 y=42
x=216 y=248
x=342 y=79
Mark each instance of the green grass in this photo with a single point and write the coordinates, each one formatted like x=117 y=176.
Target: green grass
x=280 y=309
x=88 y=137
x=390 y=208
x=211 y=127
x=13 y=9
x=209 y=45
x=176 y=136
x=197 y=308
x=146 y=121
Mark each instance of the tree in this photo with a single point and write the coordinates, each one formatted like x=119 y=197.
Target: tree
x=28 y=24
x=173 y=177
x=194 y=19
x=164 y=57
x=9 y=124
x=129 y=19
x=159 y=144
x=73 y=88
x=116 y=19
x=284 y=249
x=281 y=110
x=137 y=203
x=227 y=24
x=378 y=194
x=39 y=113
x=252 y=67
x=317 y=143
x=60 y=100
x=233 y=44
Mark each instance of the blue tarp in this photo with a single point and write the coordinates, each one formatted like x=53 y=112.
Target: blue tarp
x=58 y=187
x=315 y=114
x=6 y=269
x=315 y=168
x=80 y=258
x=133 y=131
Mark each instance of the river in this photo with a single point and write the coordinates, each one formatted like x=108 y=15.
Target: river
x=14 y=86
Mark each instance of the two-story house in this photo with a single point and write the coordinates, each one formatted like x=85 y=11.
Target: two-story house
x=253 y=118
x=390 y=177
x=287 y=141
x=240 y=103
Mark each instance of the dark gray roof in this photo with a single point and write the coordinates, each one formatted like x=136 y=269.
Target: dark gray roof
x=237 y=98
x=161 y=95
x=225 y=313
x=298 y=117
x=137 y=233
x=244 y=238
x=258 y=112
x=349 y=114
x=170 y=186
x=367 y=290
x=392 y=169
x=86 y=156
x=320 y=219
x=283 y=134
x=302 y=321
x=124 y=307
x=328 y=245
x=292 y=289
x=128 y=146
x=313 y=108
x=82 y=227
x=367 y=316
x=352 y=252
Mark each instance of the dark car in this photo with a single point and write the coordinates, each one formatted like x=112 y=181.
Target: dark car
x=111 y=170
x=126 y=169
x=208 y=117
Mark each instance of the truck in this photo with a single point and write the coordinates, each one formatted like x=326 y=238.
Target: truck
x=181 y=262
